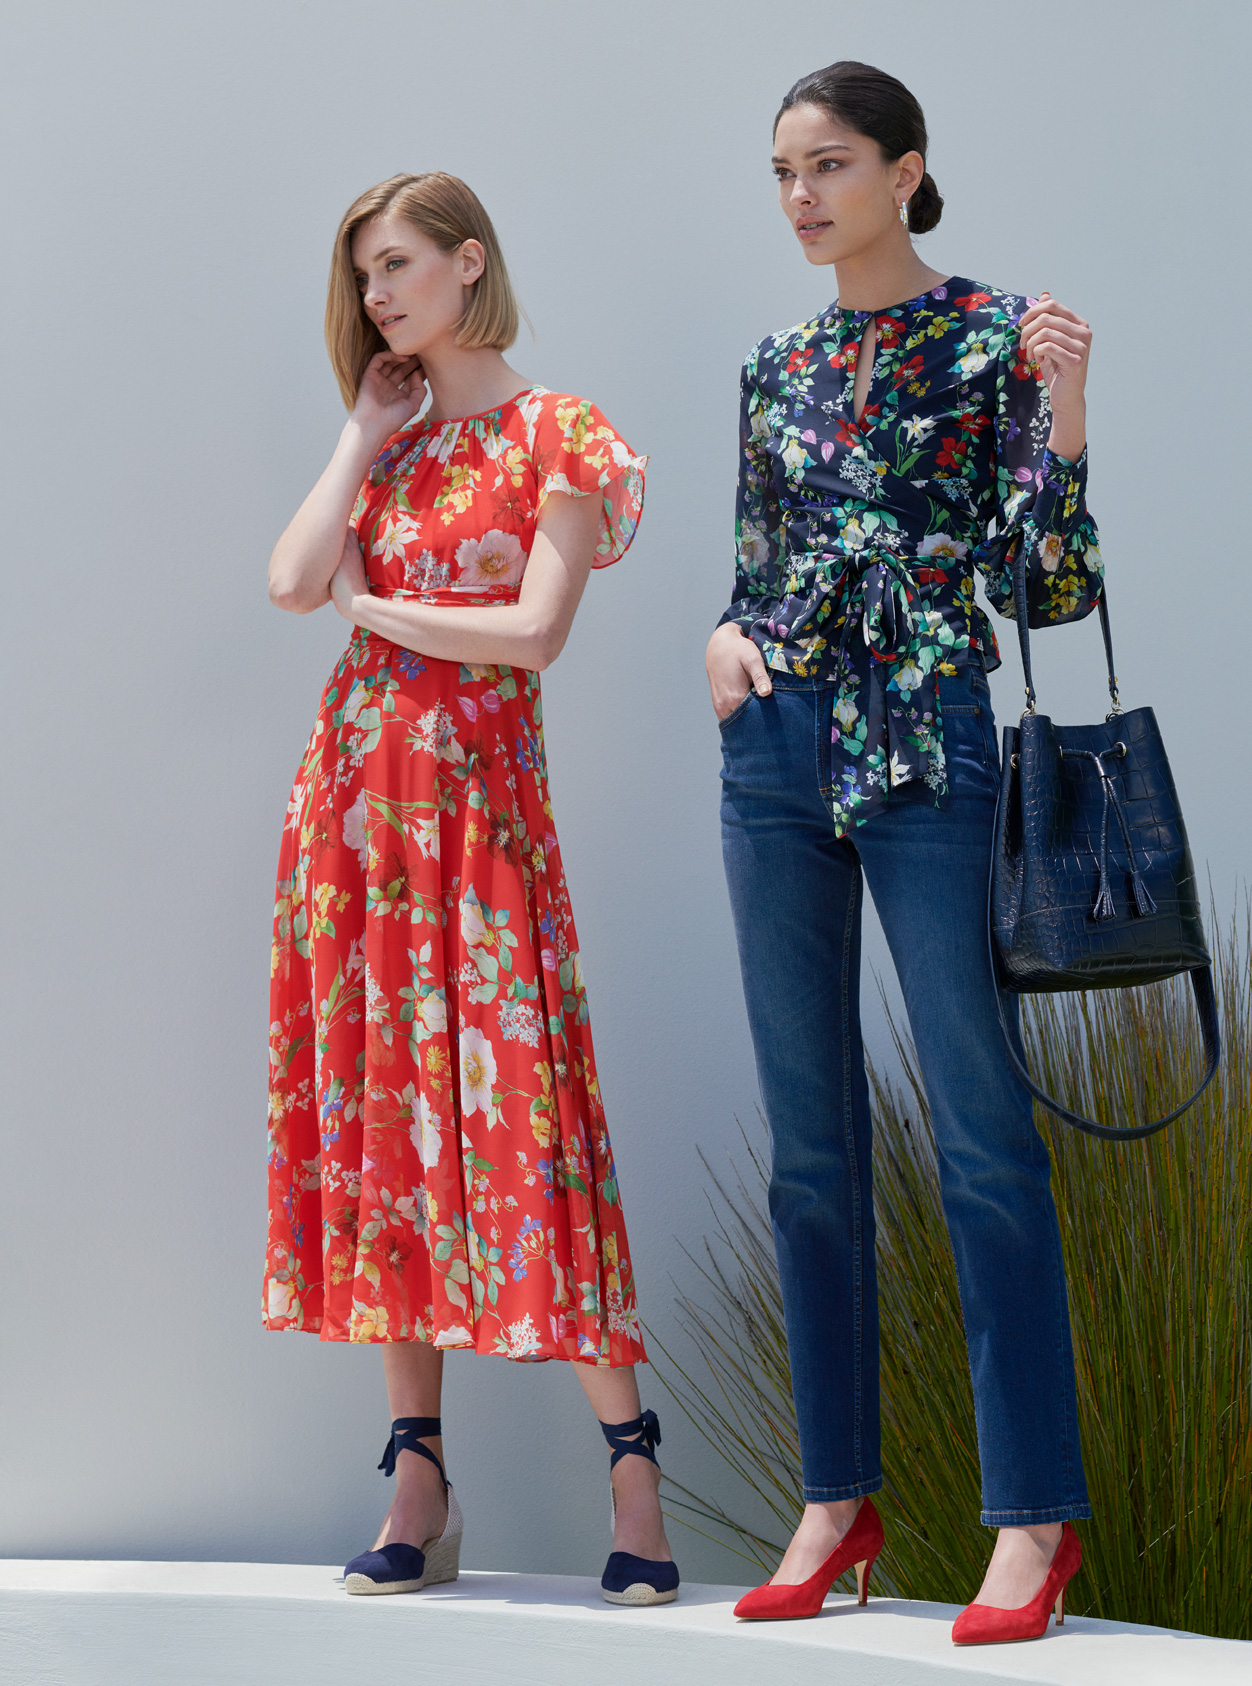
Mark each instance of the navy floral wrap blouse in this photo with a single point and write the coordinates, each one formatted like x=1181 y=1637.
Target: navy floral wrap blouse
x=857 y=542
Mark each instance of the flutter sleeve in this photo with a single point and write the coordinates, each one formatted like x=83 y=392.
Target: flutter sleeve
x=577 y=452
x=756 y=506
x=1040 y=505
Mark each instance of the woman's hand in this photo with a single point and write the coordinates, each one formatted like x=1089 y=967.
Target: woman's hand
x=735 y=666
x=392 y=390
x=1060 y=343
x=306 y=557
x=349 y=580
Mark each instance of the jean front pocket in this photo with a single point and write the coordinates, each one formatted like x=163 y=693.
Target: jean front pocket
x=968 y=734
x=739 y=708
x=969 y=749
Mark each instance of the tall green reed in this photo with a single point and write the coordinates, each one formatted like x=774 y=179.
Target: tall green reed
x=1158 y=1249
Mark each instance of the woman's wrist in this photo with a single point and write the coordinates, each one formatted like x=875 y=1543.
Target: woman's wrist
x=350 y=604
x=362 y=440
x=1068 y=437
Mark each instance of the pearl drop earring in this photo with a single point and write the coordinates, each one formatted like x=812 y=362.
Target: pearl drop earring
x=904 y=212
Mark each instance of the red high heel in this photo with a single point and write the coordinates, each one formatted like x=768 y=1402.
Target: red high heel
x=857 y=1549
x=983 y=1624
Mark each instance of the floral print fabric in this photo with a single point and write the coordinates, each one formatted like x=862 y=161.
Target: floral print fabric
x=857 y=542
x=439 y=1164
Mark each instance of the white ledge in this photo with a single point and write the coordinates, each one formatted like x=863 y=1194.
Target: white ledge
x=252 y=1624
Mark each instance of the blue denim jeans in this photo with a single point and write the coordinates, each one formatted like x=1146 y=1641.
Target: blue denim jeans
x=796 y=894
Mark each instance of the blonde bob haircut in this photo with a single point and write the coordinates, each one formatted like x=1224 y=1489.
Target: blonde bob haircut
x=446 y=211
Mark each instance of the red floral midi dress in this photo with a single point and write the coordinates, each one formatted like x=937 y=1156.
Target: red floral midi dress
x=439 y=1164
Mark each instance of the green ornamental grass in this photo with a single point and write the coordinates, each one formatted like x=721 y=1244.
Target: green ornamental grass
x=1158 y=1250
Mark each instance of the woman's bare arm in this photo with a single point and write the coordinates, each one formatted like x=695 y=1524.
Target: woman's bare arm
x=529 y=633
x=308 y=553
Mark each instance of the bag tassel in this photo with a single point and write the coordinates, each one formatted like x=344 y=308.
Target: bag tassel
x=1143 y=901
x=1104 y=908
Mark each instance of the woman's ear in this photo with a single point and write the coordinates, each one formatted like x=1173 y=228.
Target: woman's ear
x=909 y=172
x=473 y=259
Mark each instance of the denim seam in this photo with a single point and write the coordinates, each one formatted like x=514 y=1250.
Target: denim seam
x=1061 y=1301
x=828 y=1495
x=1062 y=1329
x=1034 y=1518
x=1067 y=1461
x=850 y=1137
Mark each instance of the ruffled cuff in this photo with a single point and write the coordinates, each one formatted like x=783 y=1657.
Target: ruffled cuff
x=1060 y=505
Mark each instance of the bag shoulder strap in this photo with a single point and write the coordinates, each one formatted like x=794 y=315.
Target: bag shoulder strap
x=1022 y=617
x=1206 y=1007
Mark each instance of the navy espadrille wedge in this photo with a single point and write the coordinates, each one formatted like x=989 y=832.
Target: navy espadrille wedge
x=406 y=1568
x=628 y=1579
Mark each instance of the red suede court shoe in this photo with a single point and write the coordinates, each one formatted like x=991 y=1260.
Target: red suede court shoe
x=983 y=1624
x=857 y=1549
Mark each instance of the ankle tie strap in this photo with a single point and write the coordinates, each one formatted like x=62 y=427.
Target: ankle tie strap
x=406 y=1436
x=642 y=1437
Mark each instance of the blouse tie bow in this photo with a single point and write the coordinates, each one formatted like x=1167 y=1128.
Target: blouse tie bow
x=888 y=598
x=890 y=714
x=871 y=589
x=887 y=721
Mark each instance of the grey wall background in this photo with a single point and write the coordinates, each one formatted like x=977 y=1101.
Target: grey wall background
x=174 y=175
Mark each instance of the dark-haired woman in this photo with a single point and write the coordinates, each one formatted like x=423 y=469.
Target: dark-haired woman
x=440 y=1170
x=923 y=427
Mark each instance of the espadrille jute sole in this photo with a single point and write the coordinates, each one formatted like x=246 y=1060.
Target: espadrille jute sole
x=443 y=1560
x=442 y=1565
x=362 y=1583
x=639 y=1592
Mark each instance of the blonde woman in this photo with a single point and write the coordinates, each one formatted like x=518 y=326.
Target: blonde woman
x=440 y=1169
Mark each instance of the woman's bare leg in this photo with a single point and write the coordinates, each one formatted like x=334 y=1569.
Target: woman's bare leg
x=419 y=1509
x=1019 y=1565
x=821 y=1528
x=639 y=1527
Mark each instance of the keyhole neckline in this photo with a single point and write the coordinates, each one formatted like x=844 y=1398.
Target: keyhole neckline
x=869 y=341
x=939 y=290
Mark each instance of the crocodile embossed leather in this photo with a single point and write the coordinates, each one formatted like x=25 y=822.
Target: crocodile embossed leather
x=1092 y=885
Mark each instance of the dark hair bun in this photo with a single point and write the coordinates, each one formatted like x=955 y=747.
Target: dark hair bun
x=873 y=103
x=925 y=207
